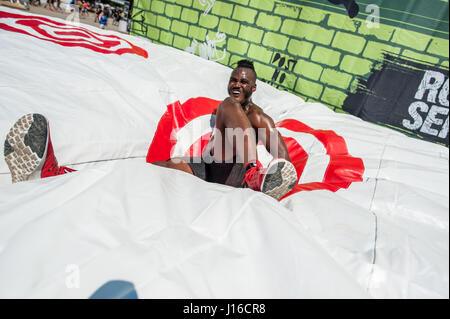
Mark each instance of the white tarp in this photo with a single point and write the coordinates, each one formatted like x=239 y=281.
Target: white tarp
x=175 y=236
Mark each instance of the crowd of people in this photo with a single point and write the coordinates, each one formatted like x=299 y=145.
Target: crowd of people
x=101 y=15
x=83 y=7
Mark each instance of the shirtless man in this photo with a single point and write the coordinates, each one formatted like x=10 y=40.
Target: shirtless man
x=230 y=157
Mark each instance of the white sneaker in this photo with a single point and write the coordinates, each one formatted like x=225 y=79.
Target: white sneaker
x=279 y=178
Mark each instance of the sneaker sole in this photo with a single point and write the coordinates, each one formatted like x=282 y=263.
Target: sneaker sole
x=25 y=146
x=280 y=178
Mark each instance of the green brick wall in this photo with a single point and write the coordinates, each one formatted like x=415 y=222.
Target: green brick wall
x=311 y=52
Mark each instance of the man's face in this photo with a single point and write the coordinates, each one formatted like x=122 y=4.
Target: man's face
x=242 y=85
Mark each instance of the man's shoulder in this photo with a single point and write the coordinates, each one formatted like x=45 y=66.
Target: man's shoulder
x=255 y=109
x=257 y=116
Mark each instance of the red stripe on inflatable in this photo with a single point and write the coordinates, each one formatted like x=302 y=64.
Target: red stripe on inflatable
x=164 y=138
x=333 y=143
x=297 y=154
x=196 y=149
x=175 y=118
x=342 y=170
x=294 y=125
x=191 y=109
x=72 y=33
x=35 y=23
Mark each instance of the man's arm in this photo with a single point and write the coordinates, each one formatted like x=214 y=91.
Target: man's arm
x=268 y=134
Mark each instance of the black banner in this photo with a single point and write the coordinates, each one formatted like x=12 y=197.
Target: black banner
x=408 y=95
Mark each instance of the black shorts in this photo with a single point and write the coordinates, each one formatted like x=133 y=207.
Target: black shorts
x=231 y=174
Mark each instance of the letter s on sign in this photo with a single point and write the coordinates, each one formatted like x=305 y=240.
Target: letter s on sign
x=433 y=120
x=412 y=110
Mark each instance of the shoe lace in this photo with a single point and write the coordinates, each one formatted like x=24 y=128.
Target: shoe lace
x=54 y=169
x=251 y=175
x=65 y=169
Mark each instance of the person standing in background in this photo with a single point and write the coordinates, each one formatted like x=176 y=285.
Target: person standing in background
x=97 y=13
x=50 y=5
x=85 y=8
x=103 y=19
x=59 y=5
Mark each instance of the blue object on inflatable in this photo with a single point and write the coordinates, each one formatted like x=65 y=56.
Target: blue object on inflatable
x=115 y=289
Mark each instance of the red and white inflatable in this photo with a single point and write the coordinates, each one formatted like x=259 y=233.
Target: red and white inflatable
x=368 y=218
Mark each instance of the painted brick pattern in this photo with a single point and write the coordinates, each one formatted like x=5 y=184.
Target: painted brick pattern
x=316 y=54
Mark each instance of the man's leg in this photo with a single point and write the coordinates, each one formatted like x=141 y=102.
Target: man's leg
x=238 y=138
x=278 y=178
x=28 y=150
x=177 y=164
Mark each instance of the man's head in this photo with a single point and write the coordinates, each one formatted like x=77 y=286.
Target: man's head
x=242 y=82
